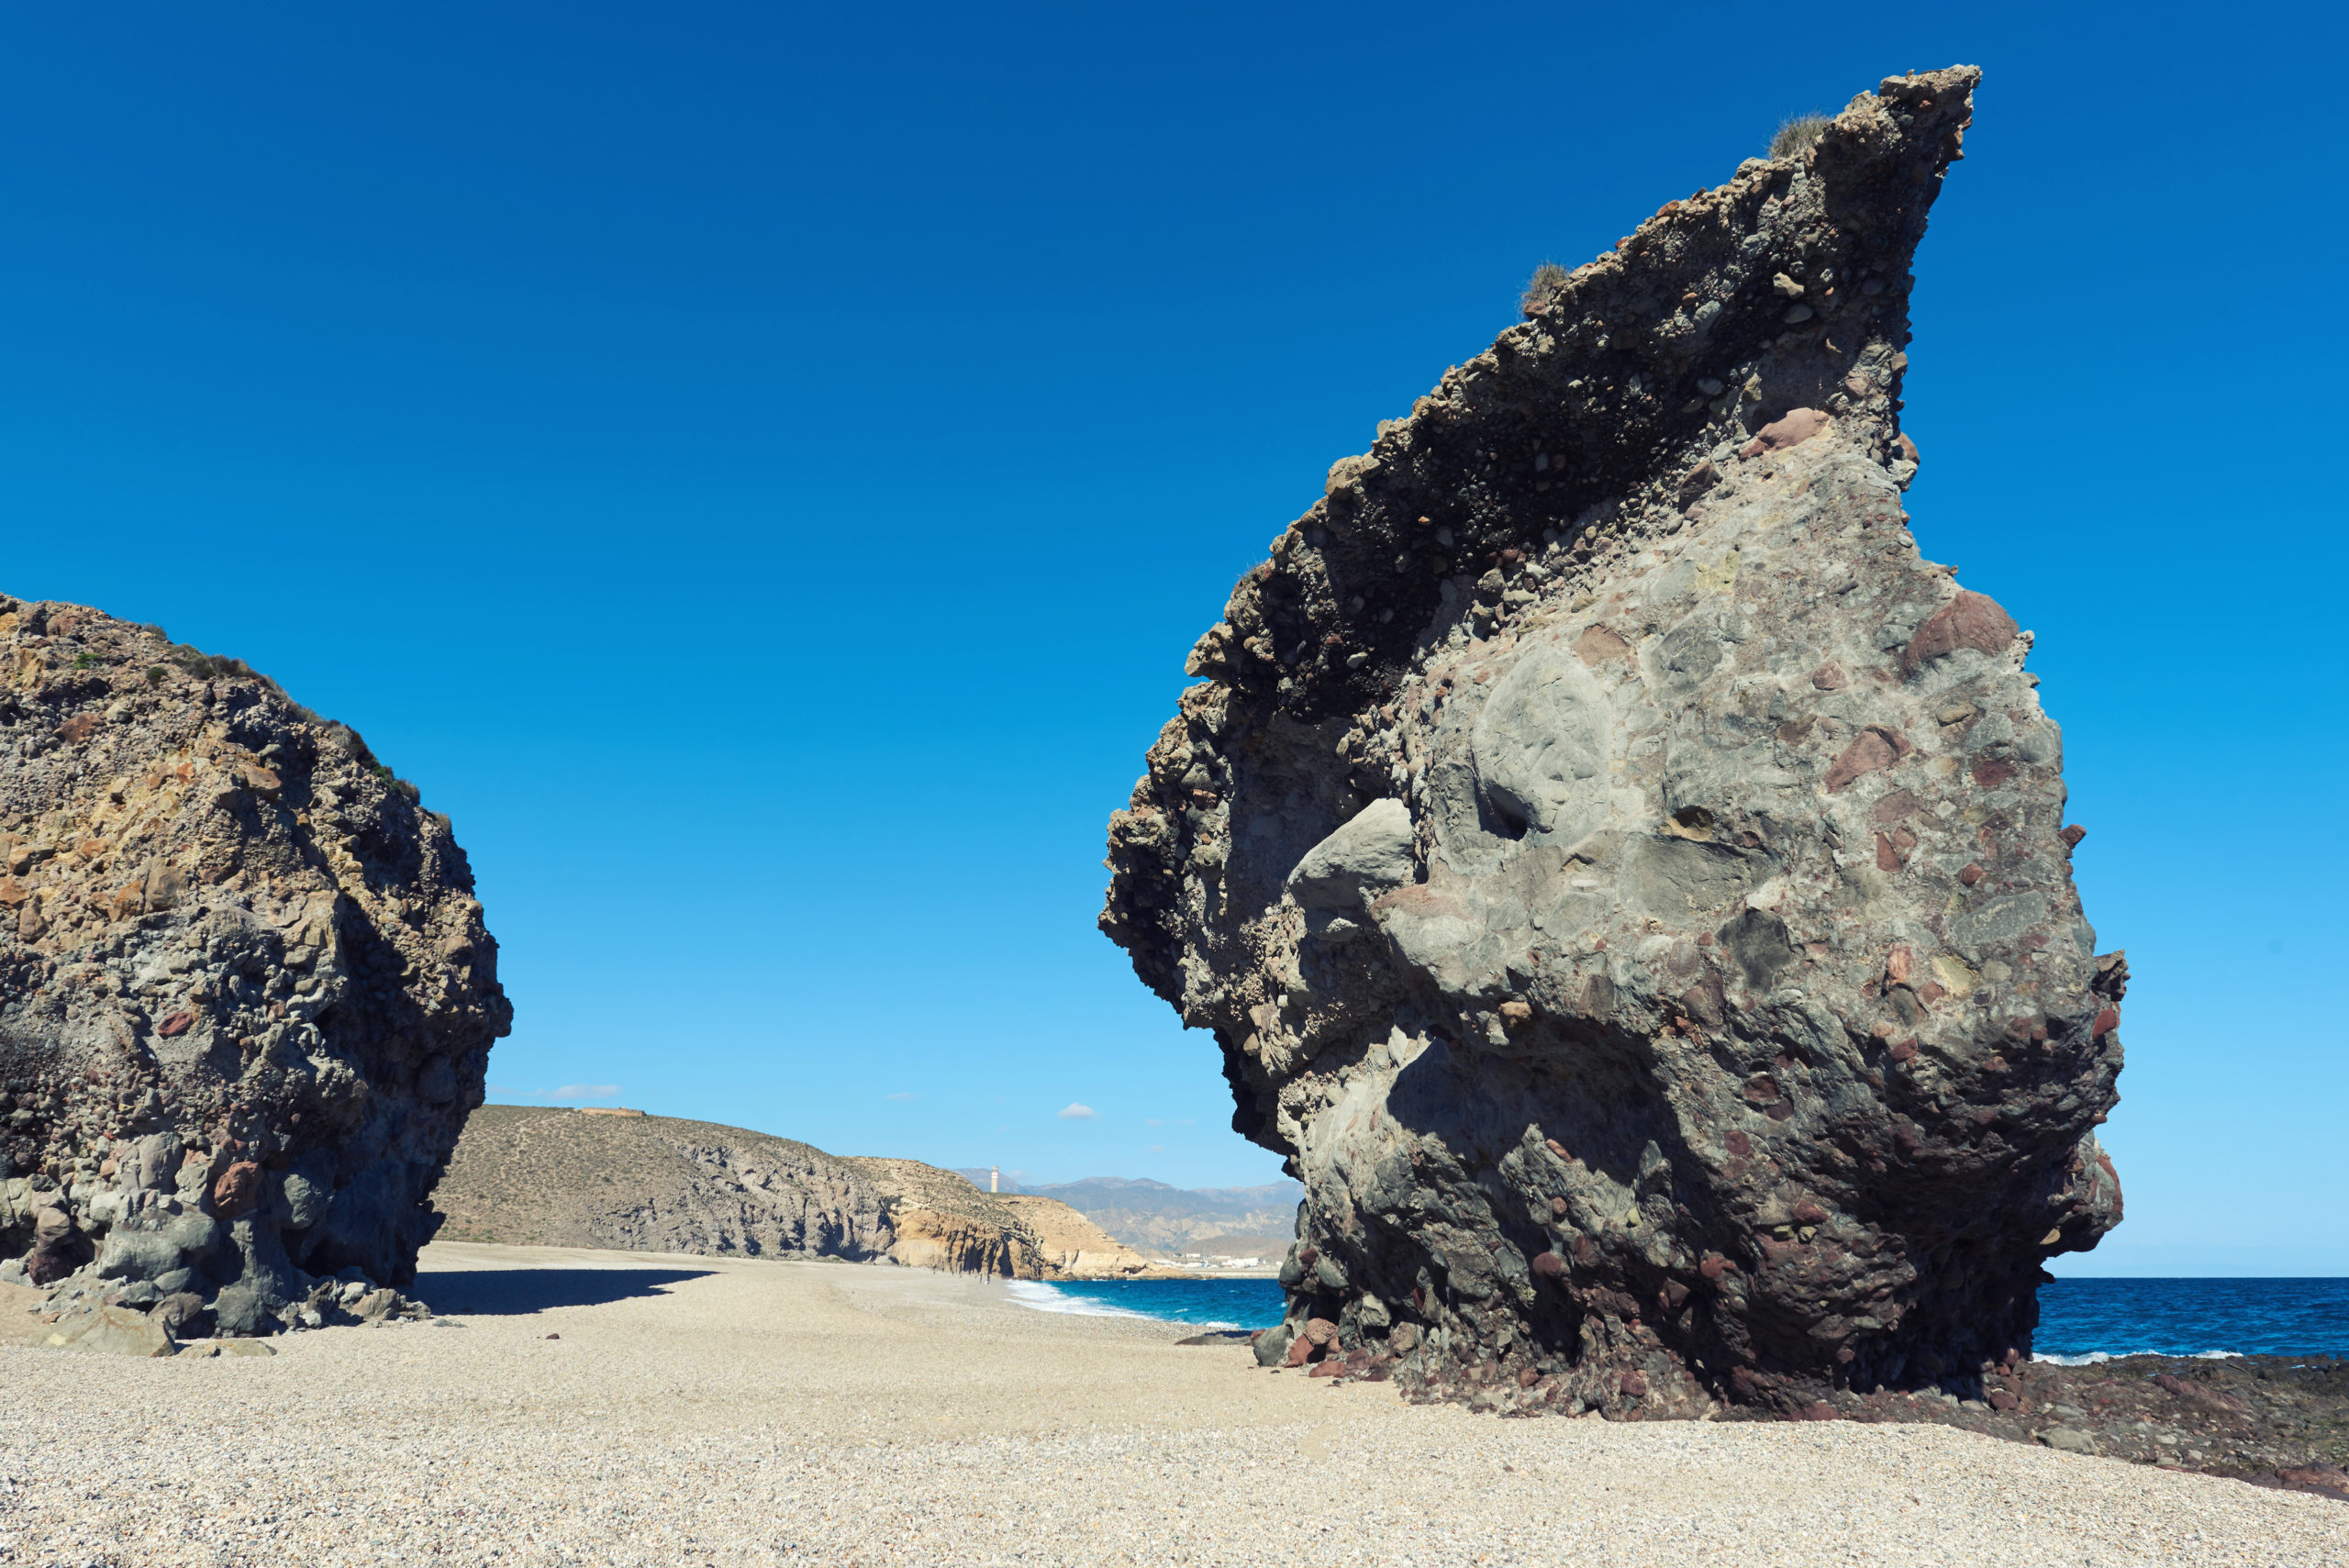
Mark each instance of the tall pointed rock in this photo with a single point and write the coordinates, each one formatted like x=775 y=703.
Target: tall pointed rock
x=1627 y=881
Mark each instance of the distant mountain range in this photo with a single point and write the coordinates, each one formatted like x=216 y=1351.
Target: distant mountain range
x=1153 y=1215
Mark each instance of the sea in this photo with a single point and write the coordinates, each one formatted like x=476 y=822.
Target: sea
x=2080 y=1320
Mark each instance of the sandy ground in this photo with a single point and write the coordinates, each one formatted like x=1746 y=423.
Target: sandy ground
x=705 y=1411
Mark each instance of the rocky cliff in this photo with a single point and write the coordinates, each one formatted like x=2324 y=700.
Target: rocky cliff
x=246 y=996
x=940 y=1220
x=538 y=1176
x=1069 y=1244
x=1627 y=881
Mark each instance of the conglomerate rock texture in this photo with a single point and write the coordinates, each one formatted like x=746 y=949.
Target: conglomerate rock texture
x=246 y=996
x=1627 y=881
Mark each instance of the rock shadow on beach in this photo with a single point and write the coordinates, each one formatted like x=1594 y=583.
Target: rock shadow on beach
x=515 y=1293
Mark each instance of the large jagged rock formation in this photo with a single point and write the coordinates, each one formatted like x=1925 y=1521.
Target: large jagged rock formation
x=246 y=996
x=1627 y=881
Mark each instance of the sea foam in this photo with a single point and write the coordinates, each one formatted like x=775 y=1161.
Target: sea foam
x=2094 y=1358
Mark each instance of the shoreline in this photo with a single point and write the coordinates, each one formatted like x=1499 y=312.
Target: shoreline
x=708 y=1410
x=2271 y=1420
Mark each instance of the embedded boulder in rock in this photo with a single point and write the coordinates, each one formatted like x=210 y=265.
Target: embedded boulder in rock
x=1627 y=881
x=246 y=996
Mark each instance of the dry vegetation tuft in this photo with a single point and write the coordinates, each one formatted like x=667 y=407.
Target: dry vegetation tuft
x=1797 y=133
x=1547 y=277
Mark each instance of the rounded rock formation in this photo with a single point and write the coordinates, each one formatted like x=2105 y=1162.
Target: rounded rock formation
x=246 y=996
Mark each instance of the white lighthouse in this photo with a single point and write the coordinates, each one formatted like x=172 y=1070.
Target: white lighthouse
x=995 y=1178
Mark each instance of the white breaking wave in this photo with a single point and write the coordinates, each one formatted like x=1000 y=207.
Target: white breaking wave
x=2095 y=1358
x=1041 y=1298
x=1049 y=1298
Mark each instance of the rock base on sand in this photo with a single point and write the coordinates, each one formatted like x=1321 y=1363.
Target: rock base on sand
x=2279 y=1422
x=1627 y=881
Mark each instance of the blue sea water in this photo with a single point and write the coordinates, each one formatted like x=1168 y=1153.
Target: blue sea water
x=2084 y=1318
x=2079 y=1320
x=1209 y=1303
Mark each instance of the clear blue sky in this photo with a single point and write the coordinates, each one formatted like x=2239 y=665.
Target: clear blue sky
x=760 y=468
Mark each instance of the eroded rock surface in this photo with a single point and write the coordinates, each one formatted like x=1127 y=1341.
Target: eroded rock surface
x=246 y=996
x=540 y=1176
x=1627 y=881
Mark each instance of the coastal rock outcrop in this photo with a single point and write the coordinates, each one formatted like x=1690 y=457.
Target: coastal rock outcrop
x=246 y=996
x=1069 y=1244
x=1627 y=880
x=941 y=1220
x=539 y=1176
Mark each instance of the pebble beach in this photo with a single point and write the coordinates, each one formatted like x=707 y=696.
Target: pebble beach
x=578 y=1406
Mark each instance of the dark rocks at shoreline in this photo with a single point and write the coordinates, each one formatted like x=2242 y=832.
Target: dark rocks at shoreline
x=2277 y=1422
x=78 y=1312
x=246 y=994
x=2271 y=1421
x=1629 y=882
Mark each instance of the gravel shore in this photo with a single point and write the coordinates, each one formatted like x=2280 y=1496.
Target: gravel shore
x=698 y=1410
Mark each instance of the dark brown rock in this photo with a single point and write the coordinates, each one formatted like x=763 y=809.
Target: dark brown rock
x=236 y=1191
x=2202 y=1394
x=2327 y=1480
x=1970 y=620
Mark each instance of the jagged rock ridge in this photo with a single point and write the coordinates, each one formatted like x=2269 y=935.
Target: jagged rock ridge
x=1627 y=881
x=246 y=996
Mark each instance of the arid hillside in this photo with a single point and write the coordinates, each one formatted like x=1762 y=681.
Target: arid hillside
x=529 y=1176
x=538 y=1176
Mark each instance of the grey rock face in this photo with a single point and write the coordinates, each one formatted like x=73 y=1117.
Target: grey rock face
x=246 y=996
x=1734 y=1033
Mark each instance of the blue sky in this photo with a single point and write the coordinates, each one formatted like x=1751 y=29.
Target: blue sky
x=760 y=468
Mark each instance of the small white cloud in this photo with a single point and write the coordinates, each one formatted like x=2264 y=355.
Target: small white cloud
x=1079 y=1113
x=1158 y=1149
x=901 y=1095
x=583 y=1091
